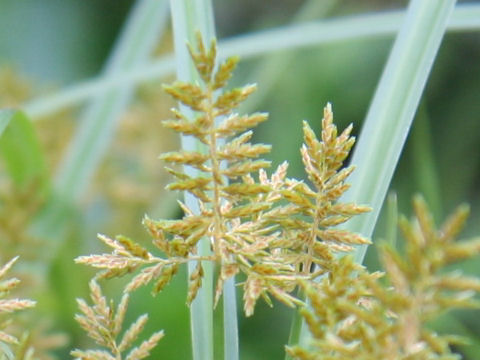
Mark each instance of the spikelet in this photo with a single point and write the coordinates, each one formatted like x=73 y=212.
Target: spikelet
x=18 y=333
x=8 y=306
x=323 y=160
x=103 y=323
x=353 y=315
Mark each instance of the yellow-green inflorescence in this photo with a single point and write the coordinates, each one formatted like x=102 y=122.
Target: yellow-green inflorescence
x=353 y=315
x=270 y=229
x=281 y=234
x=252 y=229
x=104 y=324
x=9 y=306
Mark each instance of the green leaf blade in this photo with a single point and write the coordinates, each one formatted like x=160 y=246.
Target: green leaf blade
x=393 y=108
x=19 y=146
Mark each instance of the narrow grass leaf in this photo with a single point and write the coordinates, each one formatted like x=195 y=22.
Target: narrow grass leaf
x=393 y=108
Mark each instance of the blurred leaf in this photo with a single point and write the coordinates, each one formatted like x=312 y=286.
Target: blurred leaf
x=424 y=164
x=271 y=68
x=309 y=34
x=392 y=220
x=100 y=118
x=98 y=122
x=20 y=148
x=449 y=323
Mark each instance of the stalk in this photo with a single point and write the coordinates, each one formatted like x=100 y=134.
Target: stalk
x=266 y=74
x=189 y=16
x=296 y=327
x=230 y=321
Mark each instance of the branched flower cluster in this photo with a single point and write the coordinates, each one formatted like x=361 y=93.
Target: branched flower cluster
x=353 y=315
x=10 y=306
x=312 y=235
x=252 y=229
x=103 y=323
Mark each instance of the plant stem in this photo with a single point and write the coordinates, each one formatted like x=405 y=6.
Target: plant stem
x=296 y=327
x=266 y=75
x=230 y=321
x=189 y=16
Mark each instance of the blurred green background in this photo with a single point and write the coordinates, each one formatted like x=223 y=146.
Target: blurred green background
x=46 y=45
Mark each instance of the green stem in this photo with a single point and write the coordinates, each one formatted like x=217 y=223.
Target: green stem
x=188 y=17
x=424 y=164
x=297 y=327
x=392 y=220
x=268 y=71
x=230 y=321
